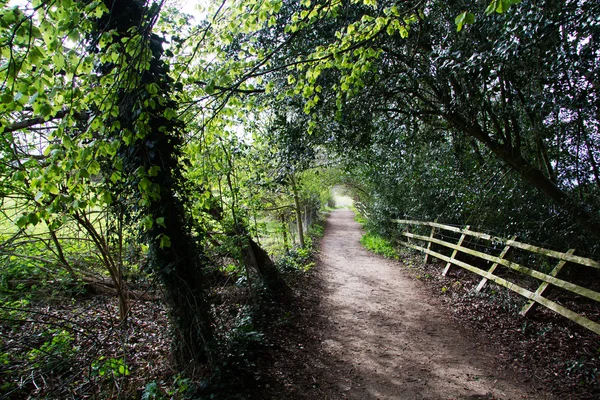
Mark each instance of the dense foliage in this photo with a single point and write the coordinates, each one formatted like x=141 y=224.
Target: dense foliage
x=494 y=123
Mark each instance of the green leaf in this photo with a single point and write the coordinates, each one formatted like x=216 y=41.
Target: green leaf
x=491 y=7
x=145 y=184
x=503 y=6
x=23 y=221
x=170 y=114
x=94 y=168
x=99 y=10
x=154 y=170
x=9 y=17
x=107 y=197
x=19 y=176
x=123 y=370
x=210 y=87
x=462 y=19
x=34 y=219
x=147 y=222
x=53 y=189
x=165 y=241
x=118 y=164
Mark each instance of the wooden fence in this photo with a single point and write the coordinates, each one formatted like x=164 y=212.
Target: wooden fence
x=439 y=231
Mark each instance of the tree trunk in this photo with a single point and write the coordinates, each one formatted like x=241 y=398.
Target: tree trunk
x=298 y=212
x=59 y=252
x=257 y=259
x=284 y=230
x=156 y=147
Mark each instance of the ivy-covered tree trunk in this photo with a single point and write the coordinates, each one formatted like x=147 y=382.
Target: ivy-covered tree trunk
x=150 y=153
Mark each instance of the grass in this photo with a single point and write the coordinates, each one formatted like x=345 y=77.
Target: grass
x=358 y=217
x=379 y=245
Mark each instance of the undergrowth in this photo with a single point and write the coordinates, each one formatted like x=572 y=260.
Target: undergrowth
x=244 y=331
x=300 y=259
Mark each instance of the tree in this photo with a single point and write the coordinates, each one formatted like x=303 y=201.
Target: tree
x=488 y=83
x=118 y=131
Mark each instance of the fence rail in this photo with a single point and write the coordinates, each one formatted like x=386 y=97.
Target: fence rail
x=535 y=297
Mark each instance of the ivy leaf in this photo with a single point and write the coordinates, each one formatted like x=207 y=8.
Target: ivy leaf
x=165 y=241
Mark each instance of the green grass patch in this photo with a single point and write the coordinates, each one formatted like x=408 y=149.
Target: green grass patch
x=379 y=245
x=358 y=217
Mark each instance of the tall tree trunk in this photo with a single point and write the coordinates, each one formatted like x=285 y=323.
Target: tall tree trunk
x=158 y=195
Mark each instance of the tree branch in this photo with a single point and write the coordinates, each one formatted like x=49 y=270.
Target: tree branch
x=28 y=123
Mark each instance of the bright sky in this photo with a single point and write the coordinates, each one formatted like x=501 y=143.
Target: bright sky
x=190 y=6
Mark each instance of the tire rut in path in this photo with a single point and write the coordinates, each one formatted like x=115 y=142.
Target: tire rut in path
x=389 y=338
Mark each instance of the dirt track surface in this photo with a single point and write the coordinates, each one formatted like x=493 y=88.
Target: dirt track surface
x=383 y=337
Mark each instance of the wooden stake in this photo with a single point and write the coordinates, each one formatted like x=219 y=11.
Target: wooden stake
x=494 y=266
x=462 y=237
x=540 y=290
x=429 y=244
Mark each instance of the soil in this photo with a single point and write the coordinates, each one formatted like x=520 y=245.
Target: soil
x=366 y=329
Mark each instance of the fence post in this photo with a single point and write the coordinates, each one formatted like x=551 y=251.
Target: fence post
x=540 y=290
x=429 y=243
x=494 y=266
x=455 y=252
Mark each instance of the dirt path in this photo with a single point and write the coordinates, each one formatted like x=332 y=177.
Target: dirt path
x=383 y=337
